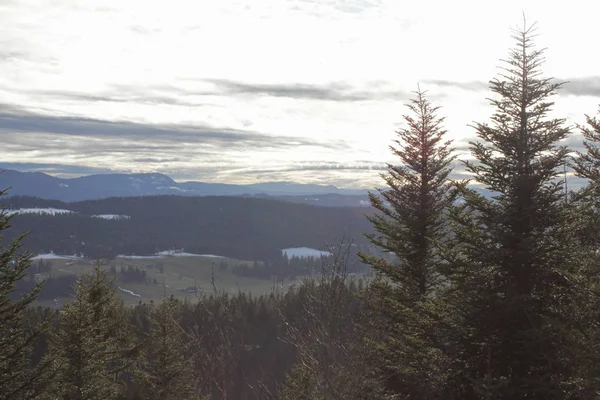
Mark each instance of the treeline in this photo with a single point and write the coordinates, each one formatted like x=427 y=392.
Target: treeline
x=221 y=346
x=236 y=227
x=280 y=266
x=57 y=286
x=478 y=298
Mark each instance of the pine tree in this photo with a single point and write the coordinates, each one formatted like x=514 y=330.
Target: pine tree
x=327 y=335
x=587 y=202
x=167 y=373
x=587 y=165
x=515 y=278
x=412 y=206
x=18 y=378
x=410 y=226
x=93 y=345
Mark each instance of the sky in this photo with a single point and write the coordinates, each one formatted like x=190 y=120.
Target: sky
x=241 y=92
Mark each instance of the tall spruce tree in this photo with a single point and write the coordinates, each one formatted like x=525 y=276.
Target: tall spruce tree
x=587 y=166
x=93 y=344
x=19 y=379
x=411 y=219
x=167 y=372
x=513 y=263
x=410 y=225
x=587 y=201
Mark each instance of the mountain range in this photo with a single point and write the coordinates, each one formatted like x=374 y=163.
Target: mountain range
x=93 y=187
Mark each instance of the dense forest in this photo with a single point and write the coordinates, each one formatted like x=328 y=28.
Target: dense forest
x=477 y=297
x=238 y=227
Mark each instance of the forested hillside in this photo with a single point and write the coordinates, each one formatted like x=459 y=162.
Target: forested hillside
x=237 y=227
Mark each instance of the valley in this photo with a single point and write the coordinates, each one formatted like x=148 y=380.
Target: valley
x=185 y=277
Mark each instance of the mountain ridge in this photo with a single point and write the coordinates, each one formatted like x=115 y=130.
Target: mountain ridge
x=99 y=186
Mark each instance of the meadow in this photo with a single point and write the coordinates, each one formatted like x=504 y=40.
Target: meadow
x=185 y=277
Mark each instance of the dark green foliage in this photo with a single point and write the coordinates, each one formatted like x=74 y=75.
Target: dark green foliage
x=410 y=226
x=587 y=165
x=411 y=221
x=93 y=344
x=587 y=208
x=516 y=276
x=19 y=379
x=237 y=227
x=167 y=372
x=327 y=333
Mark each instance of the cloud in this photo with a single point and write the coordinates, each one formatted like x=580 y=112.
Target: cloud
x=335 y=91
x=586 y=86
x=62 y=170
x=583 y=86
x=106 y=97
x=214 y=89
x=469 y=85
x=321 y=166
x=156 y=160
x=13 y=124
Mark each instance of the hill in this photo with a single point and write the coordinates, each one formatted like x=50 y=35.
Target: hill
x=239 y=227
x=92 y=187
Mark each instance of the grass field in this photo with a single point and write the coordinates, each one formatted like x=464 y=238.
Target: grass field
x=173 y=275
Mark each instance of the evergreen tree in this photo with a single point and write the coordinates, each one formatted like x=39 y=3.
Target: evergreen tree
x=327 y=336
x=516 y=282
x=93 y=345
x=587 y=165
x=587 y=202
x=410 y=225
x=167 y=373
x=411 y=218
x=18 y=378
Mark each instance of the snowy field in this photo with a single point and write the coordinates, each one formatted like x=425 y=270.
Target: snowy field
x=48 y=211
x=111 y=216
x=169 y=253
x=131 y=292
x=304 y=252
x=58 y=211
x=52 y=256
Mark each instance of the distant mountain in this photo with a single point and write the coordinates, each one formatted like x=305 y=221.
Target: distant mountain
x=324 y=200
x=95 y=187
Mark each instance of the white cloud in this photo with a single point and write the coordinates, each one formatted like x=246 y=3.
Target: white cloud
x=326 y=71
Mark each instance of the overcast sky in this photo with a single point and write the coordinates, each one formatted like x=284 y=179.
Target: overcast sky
x=261 y=90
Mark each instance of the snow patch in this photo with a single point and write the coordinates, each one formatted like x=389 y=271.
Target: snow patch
x=169 y=253
x=177 y=253
x=306 y=252
x=131 y=292
x=49 y=211
x=111 y=216
x=175 y=188
x=52 y=256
